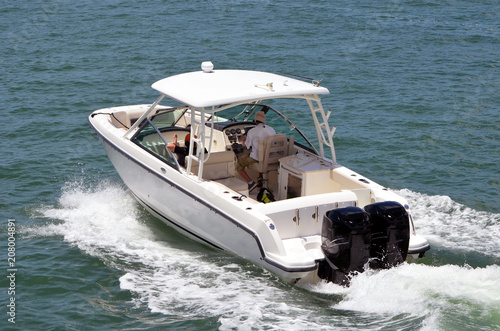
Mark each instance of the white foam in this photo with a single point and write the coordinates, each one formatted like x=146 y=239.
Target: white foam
x=104 y=217
x=184 y=283
x=105 y=221
x=421 y=291
x=414 y=288
x=452 y=225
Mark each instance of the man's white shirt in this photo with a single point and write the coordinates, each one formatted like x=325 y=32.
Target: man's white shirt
x=259 y=131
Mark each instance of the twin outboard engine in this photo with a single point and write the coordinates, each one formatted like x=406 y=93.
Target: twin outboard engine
x=346 y=240
x=353 y=238
x=390 y=234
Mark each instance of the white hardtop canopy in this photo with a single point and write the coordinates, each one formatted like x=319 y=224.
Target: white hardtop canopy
x=209 y=88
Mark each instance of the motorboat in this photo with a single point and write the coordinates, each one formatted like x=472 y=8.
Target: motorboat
x=310 y=219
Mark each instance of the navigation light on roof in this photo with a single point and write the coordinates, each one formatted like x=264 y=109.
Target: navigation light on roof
x=207 y=66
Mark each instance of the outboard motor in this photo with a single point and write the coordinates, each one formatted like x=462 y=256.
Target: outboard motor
x=346 y=237
x=390 y=234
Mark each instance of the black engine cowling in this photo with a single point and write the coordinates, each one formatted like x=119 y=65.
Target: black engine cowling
x=390 y=234
x=346 y=239
x=353 y=237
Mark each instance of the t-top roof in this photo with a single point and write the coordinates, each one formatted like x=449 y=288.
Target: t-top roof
x=220 y=87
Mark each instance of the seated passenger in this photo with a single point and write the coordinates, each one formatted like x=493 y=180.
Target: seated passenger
x=182 y=152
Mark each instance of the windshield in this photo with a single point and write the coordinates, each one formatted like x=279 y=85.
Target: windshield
x=158 y=131
x=245 y=113
x=166 y=118
x=151 y=140
x=151 y=136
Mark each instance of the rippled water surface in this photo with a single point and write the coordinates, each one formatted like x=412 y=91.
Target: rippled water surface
x=414 y=95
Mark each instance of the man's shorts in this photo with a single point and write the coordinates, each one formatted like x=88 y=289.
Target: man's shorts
x=245 y=161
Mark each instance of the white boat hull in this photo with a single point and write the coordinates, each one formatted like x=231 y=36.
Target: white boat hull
x=197 y=211
x=206 y=199
x=201 y=211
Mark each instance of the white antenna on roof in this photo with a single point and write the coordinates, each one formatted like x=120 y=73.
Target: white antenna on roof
x=315 y=82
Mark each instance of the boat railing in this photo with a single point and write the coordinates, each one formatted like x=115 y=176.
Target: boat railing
x=323 y=129
x=199 y=136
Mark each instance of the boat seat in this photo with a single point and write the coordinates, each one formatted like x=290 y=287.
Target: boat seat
x=125 y=118
x=271 y=150
x=219 y=165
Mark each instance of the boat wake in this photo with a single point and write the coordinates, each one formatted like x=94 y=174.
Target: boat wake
x=448 y=224
x=447 y=297
x=181 y=279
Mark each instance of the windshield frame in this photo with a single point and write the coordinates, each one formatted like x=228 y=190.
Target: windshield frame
x=156 y=128
x=247 y=114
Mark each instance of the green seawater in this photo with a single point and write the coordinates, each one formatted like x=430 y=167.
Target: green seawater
x=415 y=98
